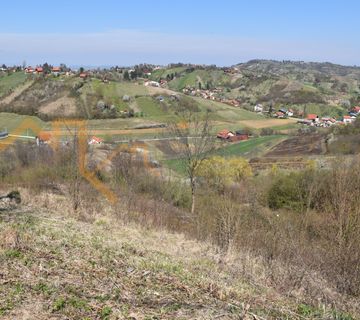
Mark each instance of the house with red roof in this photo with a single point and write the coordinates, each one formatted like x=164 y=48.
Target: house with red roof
x=280 y=115
x=225 y=134
x=355 y=110
x=29 y=70
x=55 y=70
x=43 y=138
x=39 y=70
x=348 y=119
x=312 y=117
x=95 y=140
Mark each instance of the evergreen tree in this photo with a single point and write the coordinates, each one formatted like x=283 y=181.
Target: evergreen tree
x=126 y=76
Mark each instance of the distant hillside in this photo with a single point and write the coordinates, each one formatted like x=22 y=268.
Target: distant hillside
x=71 y=97
x=324 y=88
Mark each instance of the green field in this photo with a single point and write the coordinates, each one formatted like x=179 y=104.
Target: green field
x=162 y=73
x=114 y=91
x=151 y=107
x=244 y=147
x=11 y=121
x=10 y=82
x=221 y=111
x=240 y=149
x=192 y=79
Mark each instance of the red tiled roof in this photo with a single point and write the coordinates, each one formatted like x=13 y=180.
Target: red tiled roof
x=347 y=117
x=96 y=139
x=311 y=116
x=56 y=69
x=44 y=136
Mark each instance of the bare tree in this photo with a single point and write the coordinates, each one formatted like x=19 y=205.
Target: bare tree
x=194 y=143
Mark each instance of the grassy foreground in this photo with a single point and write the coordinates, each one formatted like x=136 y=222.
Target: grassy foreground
x=57 y=267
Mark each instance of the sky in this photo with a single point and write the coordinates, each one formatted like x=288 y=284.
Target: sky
x=227 y=32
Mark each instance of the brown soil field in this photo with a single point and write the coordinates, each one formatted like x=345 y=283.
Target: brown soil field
x=301 y=145
x=266 y=123
x=281 y=162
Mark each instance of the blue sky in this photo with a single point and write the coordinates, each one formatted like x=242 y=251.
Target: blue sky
x=226 y=32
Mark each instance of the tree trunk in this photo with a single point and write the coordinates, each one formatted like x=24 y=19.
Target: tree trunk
x=192 y=196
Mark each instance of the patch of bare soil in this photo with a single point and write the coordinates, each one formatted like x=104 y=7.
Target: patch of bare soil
x=64 y=106
x=301 y=145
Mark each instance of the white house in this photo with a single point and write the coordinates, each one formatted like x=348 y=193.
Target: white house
x=258 y=108
x=348 y=119
x=290 y=112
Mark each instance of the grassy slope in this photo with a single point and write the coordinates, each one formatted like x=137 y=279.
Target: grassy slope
x=116 y=90
x=55 y=267
x=162 y=73
x=11 y=121
x=192 y=79
x=10 y=82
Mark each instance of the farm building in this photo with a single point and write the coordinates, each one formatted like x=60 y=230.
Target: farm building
x=230 y=136
x=225 y=134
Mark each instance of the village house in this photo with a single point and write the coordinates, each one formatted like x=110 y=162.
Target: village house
x=280 y=115
x=258 y=108
x=29 y=70
x=39 y=70
x=348 y=119
x=95 y=141
x=313 y=117
x=231 y=136
x=225 y=134
x=83 y=75
x=43 y=138
x=55 y=71
x=355 y=111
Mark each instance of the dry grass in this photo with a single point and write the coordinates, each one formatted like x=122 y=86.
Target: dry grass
x=62 y=107
x=53 y=266
x=266 y=123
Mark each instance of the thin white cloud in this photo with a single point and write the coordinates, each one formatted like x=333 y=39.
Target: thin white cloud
x=132 y=46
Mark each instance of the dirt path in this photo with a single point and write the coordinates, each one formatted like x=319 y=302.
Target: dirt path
x=17 y=92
